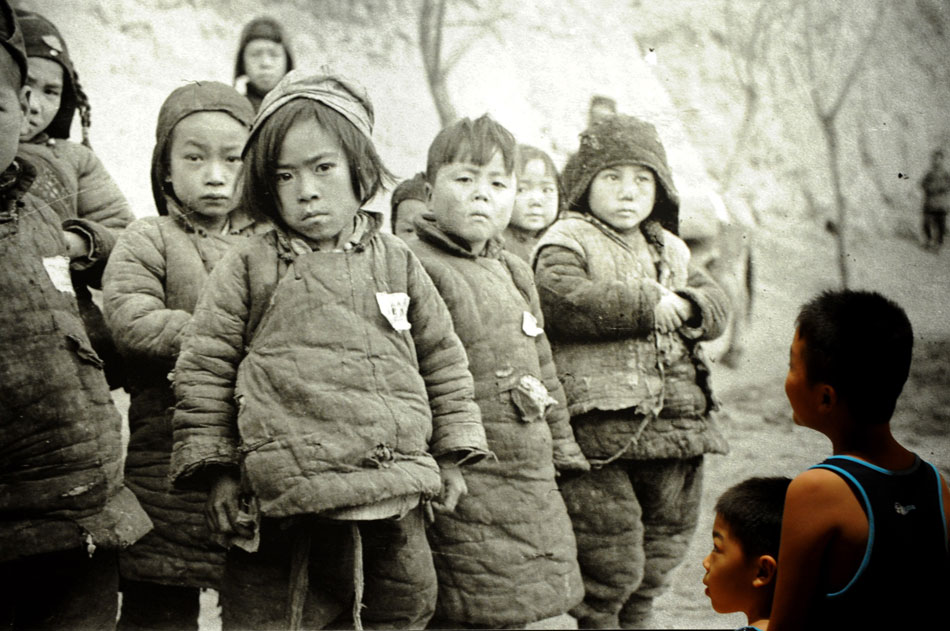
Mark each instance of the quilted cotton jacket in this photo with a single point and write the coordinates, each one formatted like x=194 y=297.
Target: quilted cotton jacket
x=60 y=446
x=296 y=373
x=157 y=271
x=507 y=554
x=76 y=185
x=598 y=291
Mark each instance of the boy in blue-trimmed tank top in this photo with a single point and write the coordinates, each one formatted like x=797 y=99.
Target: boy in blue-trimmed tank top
x=864 y=534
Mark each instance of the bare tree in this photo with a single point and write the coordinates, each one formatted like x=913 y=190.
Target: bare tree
x=748 y=42
x=828 y=50
x=474 y=20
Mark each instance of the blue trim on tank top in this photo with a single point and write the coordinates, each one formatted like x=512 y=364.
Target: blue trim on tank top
x=943 y=515
x=874 y=467
x=870 y=512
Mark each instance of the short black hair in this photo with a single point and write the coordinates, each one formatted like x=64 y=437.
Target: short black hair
x=472 y=141
x=259 y=186
x=753 y=510
x=413 y=188
x=860 y=343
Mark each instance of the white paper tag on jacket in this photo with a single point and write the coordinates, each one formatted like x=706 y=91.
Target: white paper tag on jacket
x=529 y=324
x=395 y=307
x=57 y=268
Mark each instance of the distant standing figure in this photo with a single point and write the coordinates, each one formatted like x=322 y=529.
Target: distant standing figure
x=263 y=58
x=936 y=185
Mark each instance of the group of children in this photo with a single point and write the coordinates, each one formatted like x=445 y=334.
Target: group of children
x=495 y=415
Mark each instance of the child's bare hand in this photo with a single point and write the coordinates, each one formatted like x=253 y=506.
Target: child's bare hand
x=76 y=246
x=667 y=311
x=221 y=510
x=453 y=488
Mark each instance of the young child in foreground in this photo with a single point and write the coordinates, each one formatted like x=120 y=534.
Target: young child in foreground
x=864 y=535
x=740 y=570
x=624 y=312
x=156 y=273
x=70 y=177
x=506 y=556
x=64 y=511
x=536 y=204
x=322 y=387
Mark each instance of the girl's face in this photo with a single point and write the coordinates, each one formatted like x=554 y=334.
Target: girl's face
x=45 y=80
x=265 y=62
x=536 y=201
x=314 y=189
x=623 y=196
x=204 y=161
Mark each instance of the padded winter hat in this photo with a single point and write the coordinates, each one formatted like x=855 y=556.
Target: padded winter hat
x=200 y=96
x=261 y=28
x=345 y=96
x=44 y=40
x=613 y=141
x=11 y=36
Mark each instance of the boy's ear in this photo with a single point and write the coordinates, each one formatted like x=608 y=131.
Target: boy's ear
x=765 y=570
x=25 y=95
x=828 y=398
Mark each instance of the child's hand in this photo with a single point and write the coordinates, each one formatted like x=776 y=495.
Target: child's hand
x=221 y=510
x=671 y=311
x=76 y=246
x=453 y=488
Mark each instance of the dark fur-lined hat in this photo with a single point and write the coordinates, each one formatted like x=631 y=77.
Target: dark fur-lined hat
x=11 y=37
x=613 y=141
x=44 y=40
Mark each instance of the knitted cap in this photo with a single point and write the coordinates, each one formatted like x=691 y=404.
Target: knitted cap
x=200 y=96
x=614 y=141
x=11 y=36
x=44 y=40
x=261 y=28
x=345 y=96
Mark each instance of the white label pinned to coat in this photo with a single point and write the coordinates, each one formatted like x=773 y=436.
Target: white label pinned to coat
x=529 y=324
x=57 y=268
x=395 y=307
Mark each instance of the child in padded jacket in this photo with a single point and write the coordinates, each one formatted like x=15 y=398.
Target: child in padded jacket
x=506 y=556
x=157 y=271
x=70 y=177
x=624 y=312
x=64 y=510
x=323 y=386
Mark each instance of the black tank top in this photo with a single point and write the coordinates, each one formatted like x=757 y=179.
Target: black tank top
x=904 y=578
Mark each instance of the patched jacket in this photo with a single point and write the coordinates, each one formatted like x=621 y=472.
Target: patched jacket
x=60 y=443
x=507 y=554
x=598 y=290
x=156 y=273
x=331 y=378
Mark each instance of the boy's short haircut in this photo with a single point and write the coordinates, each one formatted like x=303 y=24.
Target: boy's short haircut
x=259 y=186
x=753 y=510
x=413 y=188
x=860 y=343
x=475 y=141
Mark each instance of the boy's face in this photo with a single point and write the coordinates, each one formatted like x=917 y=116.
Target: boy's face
x=406 y=213
x=13 y=104
x=802 y=395
x=729 y=573
x=622 y=196
x=536 y=201
x=265 y=62
x=473 y=202
x=314 y=187
x=204 y=161
x=45 y=80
